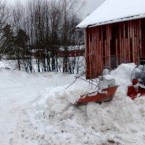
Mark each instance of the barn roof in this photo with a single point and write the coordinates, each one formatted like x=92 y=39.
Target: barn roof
x=112 y=11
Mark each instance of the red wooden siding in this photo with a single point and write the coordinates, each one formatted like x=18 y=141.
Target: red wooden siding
x=113 y=44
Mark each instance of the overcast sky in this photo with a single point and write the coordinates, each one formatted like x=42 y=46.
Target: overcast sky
x=90 y=5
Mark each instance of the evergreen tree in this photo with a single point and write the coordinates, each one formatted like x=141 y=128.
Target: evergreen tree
x=21 y=40
x=7 y=41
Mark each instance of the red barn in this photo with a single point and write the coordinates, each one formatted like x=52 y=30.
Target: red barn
x=114 y=34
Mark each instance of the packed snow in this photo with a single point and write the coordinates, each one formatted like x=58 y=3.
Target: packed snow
x=36 y=109
x=114 y=11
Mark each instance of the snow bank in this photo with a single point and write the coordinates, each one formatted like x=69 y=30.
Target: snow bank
x=53 y=120
x=8 y=64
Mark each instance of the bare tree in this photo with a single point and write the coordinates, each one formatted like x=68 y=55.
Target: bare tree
x=50 y=25
x=4 y=14
x=4 y=20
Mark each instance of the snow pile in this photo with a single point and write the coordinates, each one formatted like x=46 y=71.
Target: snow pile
x=17 y=90
x=123 y=73
x=8 y=64
x=53 y=120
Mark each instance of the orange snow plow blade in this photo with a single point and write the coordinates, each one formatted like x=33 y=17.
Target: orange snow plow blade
x=99 y=97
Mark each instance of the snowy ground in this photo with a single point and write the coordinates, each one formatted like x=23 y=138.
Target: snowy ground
x=36 y=110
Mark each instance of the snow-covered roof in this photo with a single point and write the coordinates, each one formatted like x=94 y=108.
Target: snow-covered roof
x=112 y=11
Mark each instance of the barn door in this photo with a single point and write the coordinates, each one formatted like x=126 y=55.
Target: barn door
x=113 y=52
x=142 y=53
x=113 y=45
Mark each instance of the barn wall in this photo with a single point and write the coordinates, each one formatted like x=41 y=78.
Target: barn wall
x=113 y=44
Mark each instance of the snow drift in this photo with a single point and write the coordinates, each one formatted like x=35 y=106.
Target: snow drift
x=53 y=120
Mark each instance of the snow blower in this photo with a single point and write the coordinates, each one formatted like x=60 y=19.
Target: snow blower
x=137 y=88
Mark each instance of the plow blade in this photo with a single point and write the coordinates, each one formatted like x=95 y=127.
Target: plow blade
x=106 y=95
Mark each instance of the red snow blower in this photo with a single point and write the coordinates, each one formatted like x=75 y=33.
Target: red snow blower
x=137 y=88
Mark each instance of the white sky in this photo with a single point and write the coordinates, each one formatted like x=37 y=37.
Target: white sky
x=90 y=5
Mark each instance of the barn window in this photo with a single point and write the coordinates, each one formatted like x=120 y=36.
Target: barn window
x=115 y=31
